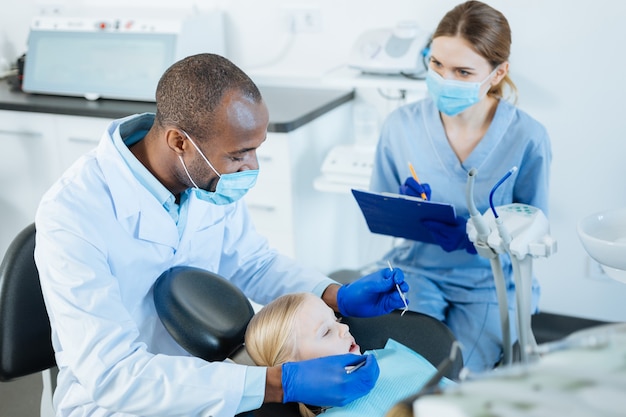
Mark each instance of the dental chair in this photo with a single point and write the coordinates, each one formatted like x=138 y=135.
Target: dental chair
x=205 y=314
x=208 y=316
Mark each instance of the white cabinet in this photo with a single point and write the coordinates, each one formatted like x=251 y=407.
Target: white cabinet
x=76 y=135
x=37 y=148
x=269 y=202
x=28 y=166
x=298 y=220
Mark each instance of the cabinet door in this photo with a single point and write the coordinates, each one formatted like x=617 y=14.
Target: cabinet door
x=78 y=135
x=270 y=201
x=28 y=166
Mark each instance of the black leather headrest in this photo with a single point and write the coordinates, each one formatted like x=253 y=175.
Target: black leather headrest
x=206 y=314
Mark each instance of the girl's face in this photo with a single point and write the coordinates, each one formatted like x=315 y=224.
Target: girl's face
x=319 y=333
x=454 y=59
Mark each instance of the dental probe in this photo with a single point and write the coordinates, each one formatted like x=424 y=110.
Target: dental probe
x=406 y=306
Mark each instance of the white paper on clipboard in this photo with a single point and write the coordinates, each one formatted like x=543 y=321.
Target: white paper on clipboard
x=401 y=215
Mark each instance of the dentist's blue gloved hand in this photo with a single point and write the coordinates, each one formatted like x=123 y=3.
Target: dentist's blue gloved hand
x=450 y=237
x=415 y=189
x=325 y=382
x=372 y=295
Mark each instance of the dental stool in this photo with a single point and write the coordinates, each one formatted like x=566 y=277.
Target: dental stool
x=25 y=341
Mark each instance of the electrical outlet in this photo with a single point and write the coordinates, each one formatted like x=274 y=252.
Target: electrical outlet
x=50 y=9
x=594 y=271
x=305 y=19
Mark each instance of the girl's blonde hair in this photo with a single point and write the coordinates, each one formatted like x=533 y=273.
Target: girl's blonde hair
x=270 y=337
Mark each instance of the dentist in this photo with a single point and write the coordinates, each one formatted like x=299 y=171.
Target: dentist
x=163 y=190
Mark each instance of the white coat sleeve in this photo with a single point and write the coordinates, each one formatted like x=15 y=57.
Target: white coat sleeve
x=103 y=358
x=261 y=272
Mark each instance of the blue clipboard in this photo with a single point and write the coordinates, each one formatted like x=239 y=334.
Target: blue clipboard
x=401 y=215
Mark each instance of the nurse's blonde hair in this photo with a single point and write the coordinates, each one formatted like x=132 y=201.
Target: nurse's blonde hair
x=271 y=338
x=488 y=31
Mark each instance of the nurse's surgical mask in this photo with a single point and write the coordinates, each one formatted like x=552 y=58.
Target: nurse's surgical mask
x=230 y=187
x=453 y=96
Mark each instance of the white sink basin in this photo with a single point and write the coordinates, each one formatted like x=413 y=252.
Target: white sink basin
x=603 y=236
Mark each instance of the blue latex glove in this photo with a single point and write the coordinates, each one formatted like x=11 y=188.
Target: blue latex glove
x=325 y=382
x=373 y=295
x=414 y=188
x=450 y=237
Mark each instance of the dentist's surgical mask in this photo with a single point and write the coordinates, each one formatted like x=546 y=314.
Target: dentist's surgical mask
x=230 y=187
x=452 y=96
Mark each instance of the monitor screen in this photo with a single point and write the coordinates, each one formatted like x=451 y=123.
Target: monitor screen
x=97 y=64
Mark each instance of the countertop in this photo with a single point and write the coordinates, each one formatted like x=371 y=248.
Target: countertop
x=289 y=107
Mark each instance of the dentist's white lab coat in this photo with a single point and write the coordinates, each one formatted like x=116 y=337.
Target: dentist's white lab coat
x=102 y=241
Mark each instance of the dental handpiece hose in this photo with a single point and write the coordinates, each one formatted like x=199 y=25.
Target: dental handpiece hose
x=522 y=274
x=482 y=247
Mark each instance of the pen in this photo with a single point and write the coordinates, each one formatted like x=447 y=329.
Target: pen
x=352 y=368
x=406 y=306
x=424 y=197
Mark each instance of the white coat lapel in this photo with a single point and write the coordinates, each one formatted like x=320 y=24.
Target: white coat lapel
x=135 y=207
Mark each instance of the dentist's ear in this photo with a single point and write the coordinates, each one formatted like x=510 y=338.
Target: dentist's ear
x=175 y=140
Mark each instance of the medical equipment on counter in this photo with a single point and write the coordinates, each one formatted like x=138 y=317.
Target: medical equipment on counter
x=522 y=232
x=603 y=236
x=346 y=167
x=582 y=375
x=399 y=50
x=120 y=58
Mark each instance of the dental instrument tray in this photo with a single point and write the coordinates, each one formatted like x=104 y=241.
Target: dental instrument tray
x=401 y=215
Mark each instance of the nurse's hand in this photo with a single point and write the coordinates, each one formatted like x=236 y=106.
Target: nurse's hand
x=373 y=295
x=413 y=188
x=450 y=236
x=325 y=382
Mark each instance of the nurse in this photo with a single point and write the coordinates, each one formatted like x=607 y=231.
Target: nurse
x=163 y=190
x=465 y=122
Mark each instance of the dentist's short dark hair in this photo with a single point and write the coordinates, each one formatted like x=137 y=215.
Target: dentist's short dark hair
x=190 y=91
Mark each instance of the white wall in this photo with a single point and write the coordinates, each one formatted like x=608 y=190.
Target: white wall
x=567 y=62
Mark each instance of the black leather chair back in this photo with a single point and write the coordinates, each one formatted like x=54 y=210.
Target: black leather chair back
x=424 y=334
x=25 y=343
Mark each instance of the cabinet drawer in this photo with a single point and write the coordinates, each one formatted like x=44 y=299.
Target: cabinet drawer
x=27 y=169
x=270 y=194
x=274 y=216
x=78 y=135
x=273 y=157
